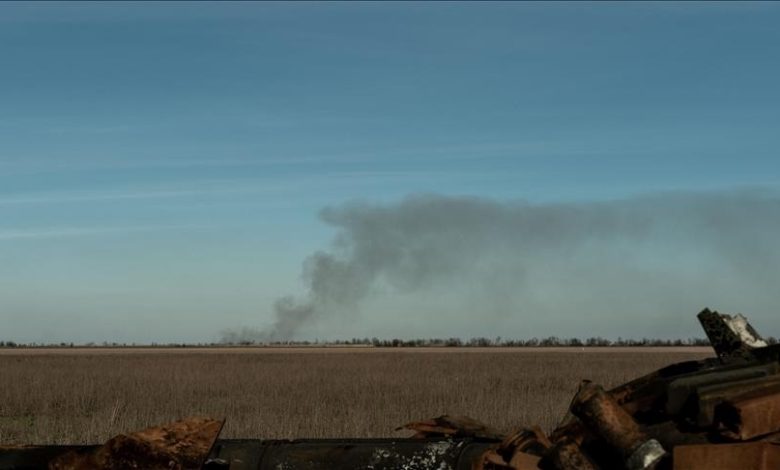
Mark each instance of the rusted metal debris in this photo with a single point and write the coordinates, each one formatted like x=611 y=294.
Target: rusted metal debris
x=718 y=413
x=617 y=429
x=733 y=338
x=451 y=426
x=183 y=445
x=750 y=414
x=522 y=450
x=308 y=454
x=566 y=454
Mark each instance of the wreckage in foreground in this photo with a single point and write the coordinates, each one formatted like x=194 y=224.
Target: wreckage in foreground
x=719 y=413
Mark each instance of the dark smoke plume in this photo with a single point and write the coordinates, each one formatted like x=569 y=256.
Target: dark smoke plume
x=559 y=267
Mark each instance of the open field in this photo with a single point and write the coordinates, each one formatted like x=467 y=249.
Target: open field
x=84 y=396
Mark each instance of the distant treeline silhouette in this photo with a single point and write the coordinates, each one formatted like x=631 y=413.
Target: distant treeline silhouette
x=481 y=342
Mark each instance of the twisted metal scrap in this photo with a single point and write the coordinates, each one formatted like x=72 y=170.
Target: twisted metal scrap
x=182 y=445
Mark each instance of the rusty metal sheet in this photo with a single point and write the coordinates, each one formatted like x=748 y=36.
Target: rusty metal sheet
x=753 y=456
x=750 y=415
x=182 y=445
x=707 y=398
x=681 y=391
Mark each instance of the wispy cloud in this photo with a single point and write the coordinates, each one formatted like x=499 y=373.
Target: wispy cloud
x=402 y=155
x=95 y=196
x=37 y=165
x=66 y=232
x=62 y=130
x=213 y=188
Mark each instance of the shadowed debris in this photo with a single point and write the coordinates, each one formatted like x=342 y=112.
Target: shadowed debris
x=718 y=413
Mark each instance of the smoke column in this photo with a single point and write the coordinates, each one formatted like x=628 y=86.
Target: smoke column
x=559 y=267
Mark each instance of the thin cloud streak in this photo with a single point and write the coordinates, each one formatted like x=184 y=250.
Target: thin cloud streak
x=66 y=232
x=70 y=197
x=445 y=153
x=275 y=186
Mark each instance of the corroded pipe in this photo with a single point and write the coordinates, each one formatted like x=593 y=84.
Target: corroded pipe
x=608 y=420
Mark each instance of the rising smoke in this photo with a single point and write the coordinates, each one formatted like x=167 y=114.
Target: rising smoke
x=561 y=268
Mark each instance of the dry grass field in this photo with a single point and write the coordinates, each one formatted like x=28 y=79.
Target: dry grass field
x=73 y=396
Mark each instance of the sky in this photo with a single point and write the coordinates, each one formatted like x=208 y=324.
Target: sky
x=169 y=171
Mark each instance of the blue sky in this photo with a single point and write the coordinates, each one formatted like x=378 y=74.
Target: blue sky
x=162 y=166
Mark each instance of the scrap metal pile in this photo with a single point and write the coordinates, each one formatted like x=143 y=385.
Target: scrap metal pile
x=718 y=413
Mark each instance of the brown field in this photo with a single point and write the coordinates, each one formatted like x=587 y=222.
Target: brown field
x=86 y=396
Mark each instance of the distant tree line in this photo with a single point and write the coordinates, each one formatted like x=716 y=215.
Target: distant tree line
x=483 y=342
x=480 y=342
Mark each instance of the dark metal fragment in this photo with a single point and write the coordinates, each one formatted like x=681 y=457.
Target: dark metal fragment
x=732 y=337
x=566 y=455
